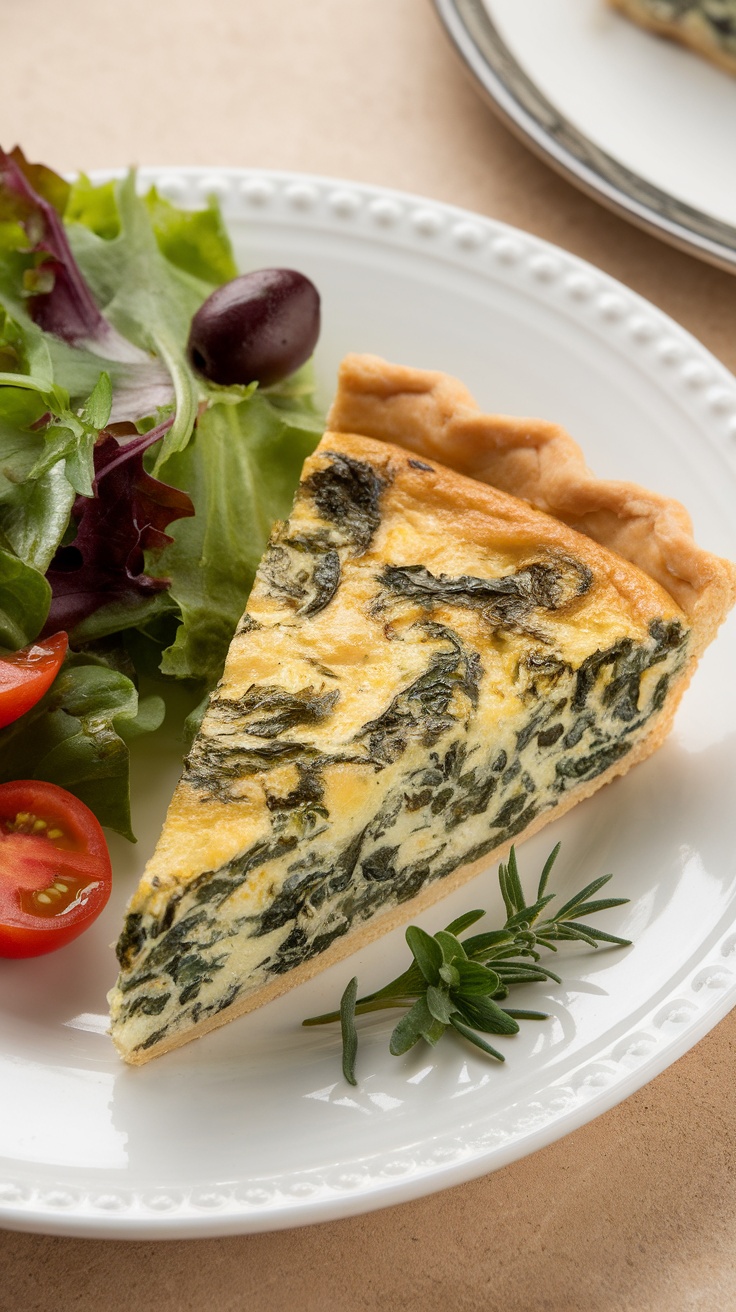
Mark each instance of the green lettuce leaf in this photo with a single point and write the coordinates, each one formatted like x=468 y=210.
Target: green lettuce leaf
x=144 y=282
x=77 y=736
x=95 y=205
x=27 y=387
x=72 y=439
x=241 y=472
x=195 y=241
x=33 y=515
x=46 y=452
x=25 y=597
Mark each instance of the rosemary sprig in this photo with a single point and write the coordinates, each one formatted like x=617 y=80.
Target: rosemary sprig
x=459 y=983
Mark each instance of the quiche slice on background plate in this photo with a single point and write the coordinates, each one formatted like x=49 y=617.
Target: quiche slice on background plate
x=458 y=634
x=706 y=26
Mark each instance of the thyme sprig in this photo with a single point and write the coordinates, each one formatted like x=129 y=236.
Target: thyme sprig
x=458 y=984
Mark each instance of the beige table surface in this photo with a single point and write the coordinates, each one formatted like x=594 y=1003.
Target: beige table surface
x=638 y=1209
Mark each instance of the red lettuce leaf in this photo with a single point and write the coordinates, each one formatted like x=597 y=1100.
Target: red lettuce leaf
x=58 y=298
x=60 y=302
x=127 y=515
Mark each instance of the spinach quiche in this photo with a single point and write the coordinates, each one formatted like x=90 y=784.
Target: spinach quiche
x=708 y=26
x=458 y=634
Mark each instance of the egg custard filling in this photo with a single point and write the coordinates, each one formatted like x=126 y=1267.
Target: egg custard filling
x=428 y=667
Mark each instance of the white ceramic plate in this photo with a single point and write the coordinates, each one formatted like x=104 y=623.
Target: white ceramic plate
x=253 y=1127
x=641 y=123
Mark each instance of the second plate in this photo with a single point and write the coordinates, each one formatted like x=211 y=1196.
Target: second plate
x=642 y=125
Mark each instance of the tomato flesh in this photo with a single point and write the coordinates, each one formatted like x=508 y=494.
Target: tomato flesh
x=27 y=674
x=55 y=872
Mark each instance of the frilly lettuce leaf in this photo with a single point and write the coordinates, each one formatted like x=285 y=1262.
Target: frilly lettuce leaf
x=195 y=241
x=94 y=205
x=149 y=284
x=46 y=449
x=72 y=439
x=59 y=299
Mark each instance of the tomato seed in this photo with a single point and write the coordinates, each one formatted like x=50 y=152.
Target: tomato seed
x=27 y=823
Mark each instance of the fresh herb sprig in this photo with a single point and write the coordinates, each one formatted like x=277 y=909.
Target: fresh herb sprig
x=458 y=984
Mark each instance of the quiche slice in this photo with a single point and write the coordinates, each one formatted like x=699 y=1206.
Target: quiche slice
x=707 y=26
x=428 y=668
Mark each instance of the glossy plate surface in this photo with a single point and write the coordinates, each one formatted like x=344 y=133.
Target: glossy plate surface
x=640 y=123
x=253 y=1127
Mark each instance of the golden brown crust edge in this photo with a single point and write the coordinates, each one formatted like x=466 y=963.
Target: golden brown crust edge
x=693 y=36
x=434 y=415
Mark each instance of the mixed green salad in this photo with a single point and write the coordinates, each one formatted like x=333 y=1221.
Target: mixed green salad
x=136 y=495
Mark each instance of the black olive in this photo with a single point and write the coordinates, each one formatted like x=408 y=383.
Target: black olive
x=258 y=328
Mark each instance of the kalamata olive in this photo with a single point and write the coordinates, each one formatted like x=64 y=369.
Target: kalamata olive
x=258 y=328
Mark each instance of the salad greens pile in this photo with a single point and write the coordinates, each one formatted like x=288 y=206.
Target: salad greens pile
x=135 y=497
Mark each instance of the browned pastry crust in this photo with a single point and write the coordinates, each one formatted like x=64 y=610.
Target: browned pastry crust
x=434 y=415
x=690 y=30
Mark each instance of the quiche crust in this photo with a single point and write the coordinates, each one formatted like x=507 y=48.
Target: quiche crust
x=447 y=580
x=435 y=416
x=689 y=24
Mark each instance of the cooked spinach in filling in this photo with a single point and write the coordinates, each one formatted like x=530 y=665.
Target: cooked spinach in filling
x=466 y=722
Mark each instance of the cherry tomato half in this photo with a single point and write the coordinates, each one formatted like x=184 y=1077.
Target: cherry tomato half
x=55 y=873
x=27 y=674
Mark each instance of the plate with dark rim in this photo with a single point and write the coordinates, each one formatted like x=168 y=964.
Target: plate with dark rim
x=639 y=123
